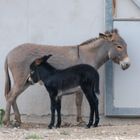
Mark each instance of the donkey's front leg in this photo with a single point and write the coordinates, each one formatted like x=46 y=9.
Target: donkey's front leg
x=78 y=101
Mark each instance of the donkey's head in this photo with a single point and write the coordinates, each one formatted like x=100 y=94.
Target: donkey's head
x=117 y=48
x=39 y=69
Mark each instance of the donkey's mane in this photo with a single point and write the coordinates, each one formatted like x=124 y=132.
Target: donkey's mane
x=88 y=41
x=96 y=38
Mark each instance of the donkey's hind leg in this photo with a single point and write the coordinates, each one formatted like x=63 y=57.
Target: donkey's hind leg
x=16 y=113
x=9 y=101
x=15 y=107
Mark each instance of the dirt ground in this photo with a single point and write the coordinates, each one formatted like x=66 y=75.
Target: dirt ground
x=35 y=127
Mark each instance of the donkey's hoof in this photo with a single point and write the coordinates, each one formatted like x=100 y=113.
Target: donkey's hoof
x=80 y=120
x=16 y=124
x=6 y=122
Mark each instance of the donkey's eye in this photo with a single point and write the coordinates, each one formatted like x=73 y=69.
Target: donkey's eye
x=119 y=48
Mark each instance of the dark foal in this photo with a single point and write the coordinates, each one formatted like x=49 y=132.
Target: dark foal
x=55 y=80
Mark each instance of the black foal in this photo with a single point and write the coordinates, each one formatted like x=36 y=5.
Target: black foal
x=55 y=80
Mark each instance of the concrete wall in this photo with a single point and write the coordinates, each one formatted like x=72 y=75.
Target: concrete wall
x=63 y=22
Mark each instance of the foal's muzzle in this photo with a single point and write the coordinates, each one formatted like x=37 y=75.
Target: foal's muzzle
x=125 y=63
x=30 y=80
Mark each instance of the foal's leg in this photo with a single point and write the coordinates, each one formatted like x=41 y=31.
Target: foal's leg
x=52 y=94
x=58 y=108
x=78 y=101
x=53 y=106
x=96 y=110
x=87 y=92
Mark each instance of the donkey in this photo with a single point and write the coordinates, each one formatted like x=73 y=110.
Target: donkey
x=55 y=80
x=95 y=52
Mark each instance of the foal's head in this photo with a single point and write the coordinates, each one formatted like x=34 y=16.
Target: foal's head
x=40 y=69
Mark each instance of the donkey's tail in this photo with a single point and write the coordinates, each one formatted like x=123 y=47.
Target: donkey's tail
x=7 y=79
x=96 y=85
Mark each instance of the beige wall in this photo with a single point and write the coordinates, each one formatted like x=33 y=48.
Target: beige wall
x=63 y=22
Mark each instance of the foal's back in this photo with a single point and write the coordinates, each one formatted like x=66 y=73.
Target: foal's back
x=72 y=76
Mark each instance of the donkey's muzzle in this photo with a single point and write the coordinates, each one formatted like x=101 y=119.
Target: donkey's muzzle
x=125 y=63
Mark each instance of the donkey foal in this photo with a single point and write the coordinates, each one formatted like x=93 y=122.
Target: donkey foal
x=55 y=80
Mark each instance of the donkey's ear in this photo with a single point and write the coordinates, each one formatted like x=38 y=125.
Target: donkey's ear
x=115 y=31
x=102 y=35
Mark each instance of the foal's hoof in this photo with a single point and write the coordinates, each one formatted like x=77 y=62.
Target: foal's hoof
x=57 y=126
x=88 y=126
x=95 y=125
x=50 y=126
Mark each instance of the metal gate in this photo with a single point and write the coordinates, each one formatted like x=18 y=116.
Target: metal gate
x=123 y=87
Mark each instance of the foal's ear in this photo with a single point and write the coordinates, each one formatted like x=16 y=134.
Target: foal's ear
x=45 y=57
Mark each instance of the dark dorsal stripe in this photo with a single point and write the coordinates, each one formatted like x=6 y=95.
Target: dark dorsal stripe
x=94 y=39
x=88 y=41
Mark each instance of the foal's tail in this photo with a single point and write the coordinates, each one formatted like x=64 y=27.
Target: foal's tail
x=7 y=79
x=96 y=84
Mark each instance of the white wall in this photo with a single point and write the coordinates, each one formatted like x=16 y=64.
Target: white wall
x=127 y=9
x=61 y=22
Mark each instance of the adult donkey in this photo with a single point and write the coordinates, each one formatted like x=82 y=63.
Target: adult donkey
x=95 y=52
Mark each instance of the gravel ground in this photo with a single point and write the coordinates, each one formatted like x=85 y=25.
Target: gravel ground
x=35 y=127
